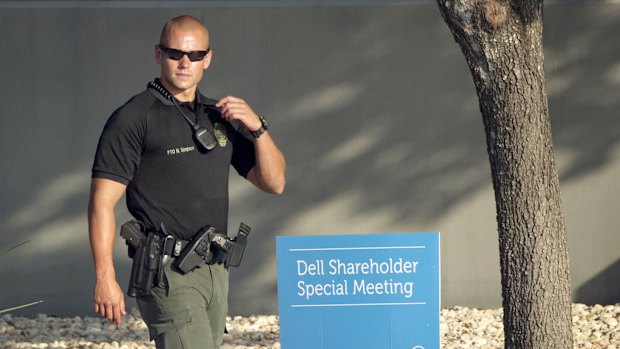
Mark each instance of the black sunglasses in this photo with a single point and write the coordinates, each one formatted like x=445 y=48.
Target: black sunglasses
x=176 y=55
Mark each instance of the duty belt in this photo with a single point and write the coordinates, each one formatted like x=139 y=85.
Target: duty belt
x=151 y=250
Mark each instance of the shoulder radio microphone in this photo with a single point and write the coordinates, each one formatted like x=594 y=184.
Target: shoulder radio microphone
x=202 y=136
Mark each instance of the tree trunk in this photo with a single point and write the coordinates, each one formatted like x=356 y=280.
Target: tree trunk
x=502 y=43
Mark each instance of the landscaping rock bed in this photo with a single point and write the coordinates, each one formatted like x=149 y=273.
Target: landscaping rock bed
x=460 y=327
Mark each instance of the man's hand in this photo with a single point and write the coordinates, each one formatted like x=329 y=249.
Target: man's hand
x=109 y=300
x=233 y=108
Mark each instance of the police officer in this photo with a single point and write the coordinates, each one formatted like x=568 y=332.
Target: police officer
x=149 y=152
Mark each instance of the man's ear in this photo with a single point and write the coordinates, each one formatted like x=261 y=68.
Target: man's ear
x=157 y=54
x=207 y=60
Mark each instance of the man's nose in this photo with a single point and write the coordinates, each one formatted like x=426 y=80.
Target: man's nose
x=184 y=61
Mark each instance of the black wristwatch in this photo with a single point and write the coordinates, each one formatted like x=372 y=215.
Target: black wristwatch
x=264 y=127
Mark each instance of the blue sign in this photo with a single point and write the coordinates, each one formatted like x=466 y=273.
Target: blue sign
x=377 y=291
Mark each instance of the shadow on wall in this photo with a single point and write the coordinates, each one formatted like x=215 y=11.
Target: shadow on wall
x=583 y=74
x=604 y=288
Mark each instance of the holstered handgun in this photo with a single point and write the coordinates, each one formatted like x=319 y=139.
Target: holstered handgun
x=197 y=252
x=210 y=247
x=147 y=257
x=131 y=231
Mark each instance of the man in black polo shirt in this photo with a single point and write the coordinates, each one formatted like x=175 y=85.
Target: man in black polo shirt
x=169 y=150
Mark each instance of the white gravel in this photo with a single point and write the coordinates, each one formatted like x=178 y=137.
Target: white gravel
x=593 y=327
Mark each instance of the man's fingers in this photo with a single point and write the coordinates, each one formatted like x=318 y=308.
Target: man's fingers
x=112 y=312
x=123 y=312
x=109 y=312
x=117 y=316
x=226 y=100
x=230 y=112
x=101 y=309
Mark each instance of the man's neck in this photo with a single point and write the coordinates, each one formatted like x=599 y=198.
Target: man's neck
x=186 y=96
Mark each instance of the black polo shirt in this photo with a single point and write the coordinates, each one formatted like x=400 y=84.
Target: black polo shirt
x=149 y=146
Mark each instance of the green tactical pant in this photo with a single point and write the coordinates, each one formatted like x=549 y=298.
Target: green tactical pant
x=187 y=311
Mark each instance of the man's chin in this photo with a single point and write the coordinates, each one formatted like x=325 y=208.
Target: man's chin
x=181 y=87
x=179 y=84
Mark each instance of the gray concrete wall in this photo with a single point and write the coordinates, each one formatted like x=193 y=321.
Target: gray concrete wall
x=373 y=106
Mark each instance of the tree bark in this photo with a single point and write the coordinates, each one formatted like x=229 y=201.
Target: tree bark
x=502 y=43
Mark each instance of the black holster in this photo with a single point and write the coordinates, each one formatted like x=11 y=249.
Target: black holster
x=146 y=251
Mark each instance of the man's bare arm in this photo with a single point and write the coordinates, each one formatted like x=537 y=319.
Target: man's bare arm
x=108 y=295
x=269 y=172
